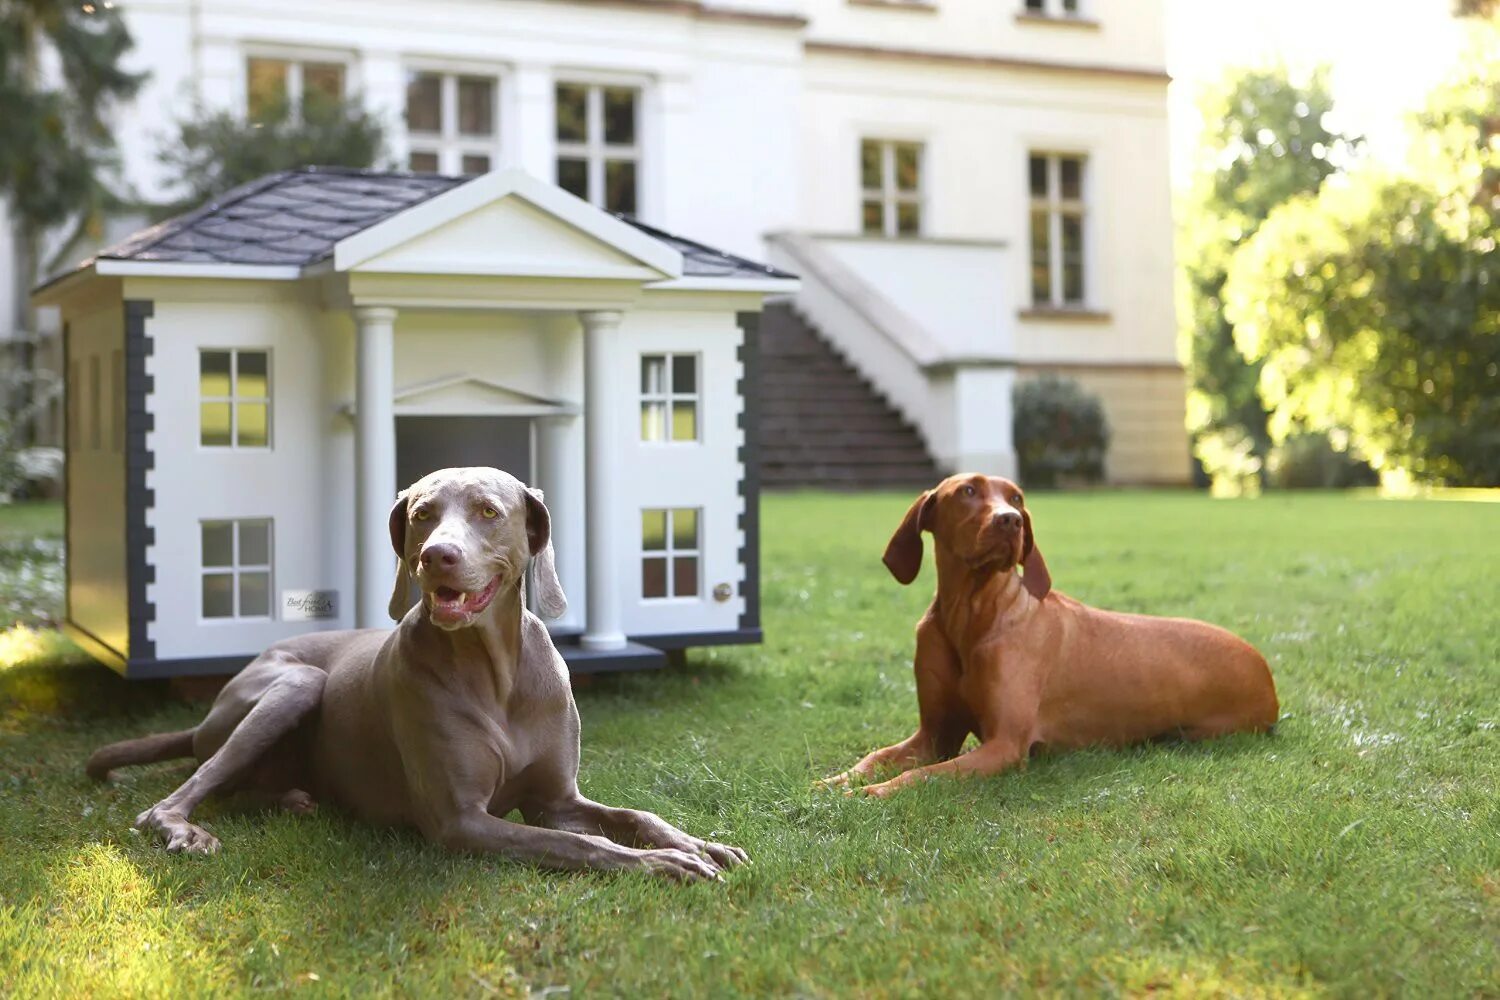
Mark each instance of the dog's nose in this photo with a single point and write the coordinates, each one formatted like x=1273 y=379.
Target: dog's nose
x=1007 y=519
x=442 y=554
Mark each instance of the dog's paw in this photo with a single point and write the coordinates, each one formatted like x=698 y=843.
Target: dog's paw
x=681 y=866
x=883 y=790
x=841 y=780
x=176 y=833
x=723 y=855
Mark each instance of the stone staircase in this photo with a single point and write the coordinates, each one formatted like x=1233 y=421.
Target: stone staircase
x=823 y=425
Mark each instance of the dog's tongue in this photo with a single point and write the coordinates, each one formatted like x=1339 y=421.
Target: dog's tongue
x=456 y=602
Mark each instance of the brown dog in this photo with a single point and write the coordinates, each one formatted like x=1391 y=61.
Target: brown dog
x=1002 y=655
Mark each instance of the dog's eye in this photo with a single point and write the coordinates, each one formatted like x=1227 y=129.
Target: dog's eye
x=1016 y=499
x=421 y=514
x=489 y=512
x=968 y=491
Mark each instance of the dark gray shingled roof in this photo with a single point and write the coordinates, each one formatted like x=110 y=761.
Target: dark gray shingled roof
x=295 y=217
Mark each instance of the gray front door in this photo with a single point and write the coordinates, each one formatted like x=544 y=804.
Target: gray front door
x=426 y=444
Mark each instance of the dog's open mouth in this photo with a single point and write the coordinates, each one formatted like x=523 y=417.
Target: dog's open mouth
x=458 y=607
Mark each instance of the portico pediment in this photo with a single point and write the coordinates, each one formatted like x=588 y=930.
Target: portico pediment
x=471 y=395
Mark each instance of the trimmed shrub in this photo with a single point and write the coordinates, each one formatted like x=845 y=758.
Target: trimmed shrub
x=1309 y=461
x=1061 y=435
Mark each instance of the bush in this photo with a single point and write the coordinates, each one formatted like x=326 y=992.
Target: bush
x=1309 y=461
x=1061 y=435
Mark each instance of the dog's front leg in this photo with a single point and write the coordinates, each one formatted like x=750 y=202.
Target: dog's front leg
x=634 y=828
x=917 y=749
x=988 y=758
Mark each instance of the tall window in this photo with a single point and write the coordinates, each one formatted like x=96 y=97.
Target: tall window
x=452 y=123
x=234 y=399
x=598 y=144
x=236 y=561
x=890 y=174
x=669 y=397
x=1057 y=233
x=669 y=552
x=1054 y=8
x=271 y=84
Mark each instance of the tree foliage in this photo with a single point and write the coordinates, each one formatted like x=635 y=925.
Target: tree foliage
x=216 y=151
x=1266 y=139
x=1374 y=305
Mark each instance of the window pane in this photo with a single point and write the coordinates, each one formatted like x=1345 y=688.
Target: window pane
x=1071 y=6
x=251 y=427
x=218 y=543
x=1035 y=6
x=265 y=86
x=619 y=116
x=908 y=166
x=1072 y=254
x=573 y=176
x=424 y=104
x=572 y=114
x=654 y=577
x=873 y=218
x=476 y=106
x=653 y=421
x=684 y=421
x=473 y=163
x=908 y=218
x=322 y=82
x=255 y=594
x=685 y=576
x=1041 y=258
x=1071 y=169
x=213 y=373
x=653 y=530
x=869 y=165
x=653 y=373
x=685 y=528
x=422 y=163
x=619 y=186
x=1037 y=167
x=685 y=373
x=255 y=543
x=213 y=425
x=218 y=595
x=250 y=379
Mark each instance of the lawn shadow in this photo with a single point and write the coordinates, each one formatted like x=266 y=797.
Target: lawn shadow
x=45 y=678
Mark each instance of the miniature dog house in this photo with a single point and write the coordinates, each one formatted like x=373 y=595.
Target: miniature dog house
x=250 y=383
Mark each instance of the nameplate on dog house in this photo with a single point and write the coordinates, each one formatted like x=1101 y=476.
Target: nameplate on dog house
x=309 y=605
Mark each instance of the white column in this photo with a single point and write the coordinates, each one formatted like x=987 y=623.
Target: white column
x=602 y=627
x=560 y=475
x=374 y=462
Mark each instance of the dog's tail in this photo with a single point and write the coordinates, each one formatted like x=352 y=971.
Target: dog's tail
x=145 y=750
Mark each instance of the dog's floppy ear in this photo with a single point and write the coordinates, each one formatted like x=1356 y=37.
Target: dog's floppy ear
x=550 y=599
x=1034 y=573
x=401 y=589
x=903 y=554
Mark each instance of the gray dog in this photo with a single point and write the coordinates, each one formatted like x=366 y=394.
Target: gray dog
x=446 y=724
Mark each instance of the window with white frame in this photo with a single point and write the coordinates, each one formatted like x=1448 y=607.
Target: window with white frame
x=890 y=175
x=234 y=399
x=452 y=122
x=670 y=552
x=273 y=84
x=1058 y=217
x=1055 y=8
x=669 y=397
x=236 y=566
x=598 y=144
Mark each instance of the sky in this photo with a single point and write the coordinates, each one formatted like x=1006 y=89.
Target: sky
x=1384 y=56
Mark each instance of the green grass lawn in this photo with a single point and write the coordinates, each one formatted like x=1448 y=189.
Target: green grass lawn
x=1354 y=853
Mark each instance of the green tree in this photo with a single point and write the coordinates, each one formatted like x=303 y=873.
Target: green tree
x=1266 y=139
x=216 y=151
x=1375 y=304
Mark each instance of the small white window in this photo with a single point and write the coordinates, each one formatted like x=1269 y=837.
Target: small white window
x=669 y=397
x=273 y=84
x=1055 y=8
x=598 y=144
x=452 y=122
x=890 y=175
x=1057 y=184
x=236 y=561
x=234 y=399
x=669 y=552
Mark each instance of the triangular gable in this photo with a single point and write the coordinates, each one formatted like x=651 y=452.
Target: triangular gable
x=507 y=223
x=470 y=394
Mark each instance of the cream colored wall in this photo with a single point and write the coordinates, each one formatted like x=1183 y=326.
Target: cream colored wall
x=98 y=593
x=1146 y=410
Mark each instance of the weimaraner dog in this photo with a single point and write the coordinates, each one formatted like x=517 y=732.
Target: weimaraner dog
x=460 y=715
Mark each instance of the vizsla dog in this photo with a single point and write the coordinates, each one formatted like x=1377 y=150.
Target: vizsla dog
x=1002 y=655
x=446 y=724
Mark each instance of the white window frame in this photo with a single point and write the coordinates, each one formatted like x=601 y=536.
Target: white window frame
x=235 y=568
x=888 y=194
x=294 y=58
x=1056 y=9
x=449 y=145
x=594 y=150
x=1056 y=207
x=669 y=396
x=234 y=398
x=670 y=553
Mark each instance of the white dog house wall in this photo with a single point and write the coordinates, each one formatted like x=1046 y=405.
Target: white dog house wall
x=250 y=383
